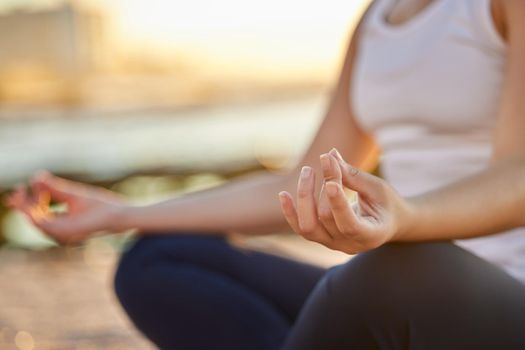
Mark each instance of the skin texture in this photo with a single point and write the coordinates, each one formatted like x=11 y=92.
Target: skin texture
x=379 y=216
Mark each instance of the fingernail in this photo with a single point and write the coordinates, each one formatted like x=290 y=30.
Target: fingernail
x=331 y=189
x=282 y=196
x=305 y=172
x=325 y=163
x=336 y=153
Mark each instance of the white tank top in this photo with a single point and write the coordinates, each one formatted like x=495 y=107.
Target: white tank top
x=429 y=90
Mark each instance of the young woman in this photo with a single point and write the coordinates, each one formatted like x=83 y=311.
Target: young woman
x=438 y=85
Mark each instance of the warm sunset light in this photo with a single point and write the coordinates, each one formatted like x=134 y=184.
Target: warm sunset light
x=224 y=174
x=263 y=40
x=282 y=37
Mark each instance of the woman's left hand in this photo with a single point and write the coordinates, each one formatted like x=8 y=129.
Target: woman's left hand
x=90 y=209
x=379 y=215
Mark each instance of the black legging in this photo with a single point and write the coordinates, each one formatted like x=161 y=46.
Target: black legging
x=188 y=291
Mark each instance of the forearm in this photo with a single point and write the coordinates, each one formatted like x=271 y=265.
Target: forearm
x=251 y=204
x=487 y=203
x=247 y=204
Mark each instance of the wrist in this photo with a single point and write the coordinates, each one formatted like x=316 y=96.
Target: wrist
x=410 y=215
x=122 y=217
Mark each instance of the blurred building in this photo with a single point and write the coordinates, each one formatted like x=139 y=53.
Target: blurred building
x=46 y=51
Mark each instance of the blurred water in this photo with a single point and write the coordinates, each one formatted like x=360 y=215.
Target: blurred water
x=102 y=147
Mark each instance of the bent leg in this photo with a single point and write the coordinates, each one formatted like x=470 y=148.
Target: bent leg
x=413 y=296
x=192 y=291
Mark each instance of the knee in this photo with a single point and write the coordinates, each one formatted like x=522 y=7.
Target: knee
x=132 y=265
x=392 y=276
x=133 y=274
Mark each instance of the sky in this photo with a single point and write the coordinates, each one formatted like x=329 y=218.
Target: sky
x=272 y=37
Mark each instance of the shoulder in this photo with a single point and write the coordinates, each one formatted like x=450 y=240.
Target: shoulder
x=518 y=5
x=509 y=16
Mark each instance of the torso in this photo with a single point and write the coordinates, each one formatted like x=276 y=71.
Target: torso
x=429 y=89
x=427 y=83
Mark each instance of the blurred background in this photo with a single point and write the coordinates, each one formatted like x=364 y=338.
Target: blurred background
x=149 y=98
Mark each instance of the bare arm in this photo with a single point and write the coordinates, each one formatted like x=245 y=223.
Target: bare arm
x=250 y=204
x=489 y=202
x=247 y=204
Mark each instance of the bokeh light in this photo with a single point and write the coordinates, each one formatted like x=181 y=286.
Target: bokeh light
x=24 y=341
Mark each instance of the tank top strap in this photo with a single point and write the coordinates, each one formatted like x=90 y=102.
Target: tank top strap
x=480 y=12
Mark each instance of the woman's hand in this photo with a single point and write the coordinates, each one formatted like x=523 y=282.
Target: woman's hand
x=88 y=208
x=379 y=215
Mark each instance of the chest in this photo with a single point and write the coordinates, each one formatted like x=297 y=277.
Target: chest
x=440 y=72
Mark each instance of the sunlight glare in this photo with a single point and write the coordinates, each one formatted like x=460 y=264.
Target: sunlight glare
x=291 y=36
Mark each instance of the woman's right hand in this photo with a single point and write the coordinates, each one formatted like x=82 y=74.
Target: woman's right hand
x=380 y=214
x=89 y=209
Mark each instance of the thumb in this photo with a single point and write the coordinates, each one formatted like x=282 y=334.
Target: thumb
x=362 y=182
